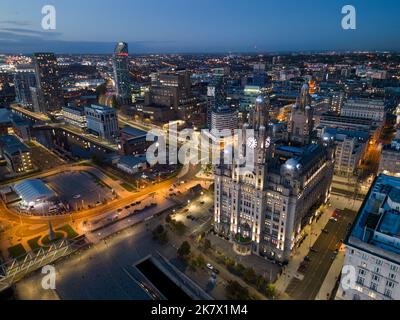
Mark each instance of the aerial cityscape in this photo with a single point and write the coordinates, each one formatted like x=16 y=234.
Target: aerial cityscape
x=149 y=168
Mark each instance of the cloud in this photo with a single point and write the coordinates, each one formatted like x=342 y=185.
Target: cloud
x=31 y=32
x=16 y=23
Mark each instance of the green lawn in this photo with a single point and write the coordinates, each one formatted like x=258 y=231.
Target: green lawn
x=71 y=234
x=17 y=251
x=34 y=243
x=57 y=236
x=127 y=186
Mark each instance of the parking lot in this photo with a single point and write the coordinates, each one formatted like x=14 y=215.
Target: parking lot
x=79 y=189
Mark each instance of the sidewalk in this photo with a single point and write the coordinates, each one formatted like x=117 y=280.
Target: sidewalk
x=290 y=271
x=331 y=278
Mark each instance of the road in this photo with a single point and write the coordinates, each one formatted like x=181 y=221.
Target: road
x=320 y=261
x=26 y=227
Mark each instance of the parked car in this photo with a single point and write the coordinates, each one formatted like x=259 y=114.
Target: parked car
x=325 y=231
x=209 y=266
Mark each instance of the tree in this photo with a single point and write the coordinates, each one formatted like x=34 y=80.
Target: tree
x=270 y=291
x=184 y=249
x=234 y=291
x=260 y=282
x=207 y=244
x=200 y=261
x=249 y=275
x=179 y=227
x=160 y=234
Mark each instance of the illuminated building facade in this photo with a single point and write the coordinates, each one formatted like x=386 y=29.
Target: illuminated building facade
x=48 y=86
x=264 y=211
x=121 y=73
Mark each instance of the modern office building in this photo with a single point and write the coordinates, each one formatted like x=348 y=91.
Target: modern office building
x=216 y=96
x=23 y=81
x=350 y=148
x=332 y=120
x=121 y=73
x=390 y=157
x=364 y=109
x=373 y=246
x=224 y=118
x=265 y=209
x=300 y=124
x=172 y=90
x=74 y=116
x=102 y=121
x=50 y=96
x=248 y=98
x=16 y=154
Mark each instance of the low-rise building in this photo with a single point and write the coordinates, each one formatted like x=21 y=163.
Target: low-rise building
x=74 y=116
x=131 y=164
x=16 y=154
x=350 y=148
x=372 y=259
x=390 y=157
x=102 y=121
x=364 y=109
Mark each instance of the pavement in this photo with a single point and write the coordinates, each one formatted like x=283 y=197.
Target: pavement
x=305 y=284
x=325 y=292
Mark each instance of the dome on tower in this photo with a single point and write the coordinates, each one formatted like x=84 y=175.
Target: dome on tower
x=260 y=99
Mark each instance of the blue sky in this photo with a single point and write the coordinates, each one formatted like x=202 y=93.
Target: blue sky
x=198 y=25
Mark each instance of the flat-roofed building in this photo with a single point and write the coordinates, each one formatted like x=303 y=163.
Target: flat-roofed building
x=350 y=148
x=102 y=121
x=74 y=116
x=16 y=154
x=390 y=157
x=364 y=109
x=372 y=257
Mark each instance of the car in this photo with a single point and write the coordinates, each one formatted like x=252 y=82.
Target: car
x=313 y=250
x=307 y=258
x=333 y=219
x=325 y=231
x=77 y=196
x=216 y=271
x=202 y=202
x=119 y=210
x=186 y=210
x=210 y=266
x=188 y=217
x=127 y=207
x=213 y=275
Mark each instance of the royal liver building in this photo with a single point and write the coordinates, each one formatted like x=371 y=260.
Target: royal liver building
x=264 y=209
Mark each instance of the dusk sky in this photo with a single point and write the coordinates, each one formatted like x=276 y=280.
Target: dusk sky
x=86 y=26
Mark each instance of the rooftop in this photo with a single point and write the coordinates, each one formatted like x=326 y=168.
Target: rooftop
x=133 y=131
x=33 y=190
x=377 y=226
x=11 y=144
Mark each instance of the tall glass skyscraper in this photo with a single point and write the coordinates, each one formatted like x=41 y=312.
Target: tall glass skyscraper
x=49 y=90
x=121 y=73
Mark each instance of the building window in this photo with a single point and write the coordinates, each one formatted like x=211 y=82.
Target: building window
x=374 y=286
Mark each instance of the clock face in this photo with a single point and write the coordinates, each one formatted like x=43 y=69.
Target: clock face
x=267 y=142
x=252 y=143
